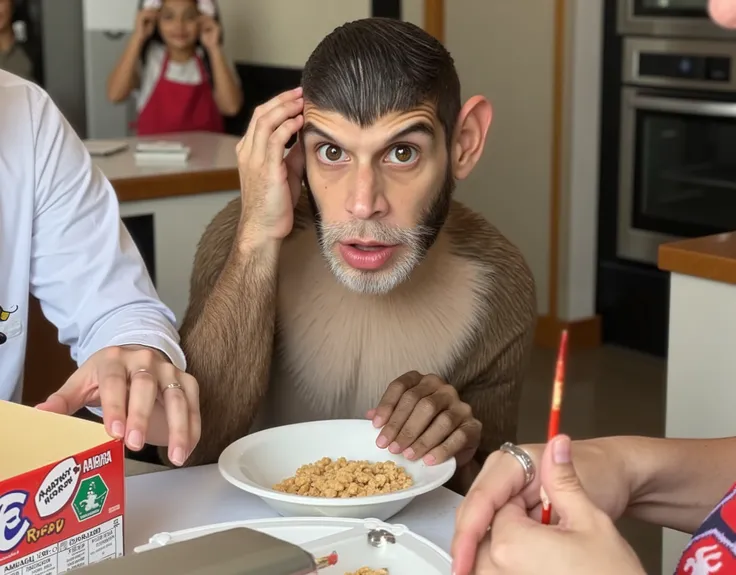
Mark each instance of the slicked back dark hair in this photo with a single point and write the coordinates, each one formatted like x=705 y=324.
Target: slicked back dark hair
x=368 y=68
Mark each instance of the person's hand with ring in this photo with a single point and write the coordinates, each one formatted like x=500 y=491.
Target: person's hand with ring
x=144 y=398
x=511 y=473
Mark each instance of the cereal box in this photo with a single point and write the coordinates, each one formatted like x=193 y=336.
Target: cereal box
x=61 y=492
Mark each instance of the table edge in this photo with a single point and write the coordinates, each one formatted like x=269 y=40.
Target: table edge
x=159 y=186
x=699 y=257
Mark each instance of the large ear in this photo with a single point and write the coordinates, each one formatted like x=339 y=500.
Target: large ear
x=470 y=135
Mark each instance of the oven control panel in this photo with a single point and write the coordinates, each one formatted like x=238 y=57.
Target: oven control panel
x=689 y=66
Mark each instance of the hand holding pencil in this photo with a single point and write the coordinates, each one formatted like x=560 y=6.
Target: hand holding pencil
x=504 y=524
x=584 y=541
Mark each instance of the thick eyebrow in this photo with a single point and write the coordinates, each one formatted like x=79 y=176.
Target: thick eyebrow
x=416 y=128
x=310 y=128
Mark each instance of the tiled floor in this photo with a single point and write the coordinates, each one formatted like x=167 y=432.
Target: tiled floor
x=609 y=391
x=600 y=387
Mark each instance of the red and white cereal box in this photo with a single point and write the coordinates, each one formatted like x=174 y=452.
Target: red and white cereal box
x=62 y=482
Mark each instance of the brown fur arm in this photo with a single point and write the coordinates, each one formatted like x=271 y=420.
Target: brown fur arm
x=494 y=398
x=227 y=332
x=489 y=376
x=494 y=395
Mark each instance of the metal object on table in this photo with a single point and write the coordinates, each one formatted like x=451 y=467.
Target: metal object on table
x=238 y=551
x=380 y=537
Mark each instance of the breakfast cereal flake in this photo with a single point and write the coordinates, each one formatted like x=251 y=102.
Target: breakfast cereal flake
x=369 y=571
x=344 y=479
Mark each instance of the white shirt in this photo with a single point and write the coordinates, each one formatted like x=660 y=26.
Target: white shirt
x=62 y=239
x=187 y=72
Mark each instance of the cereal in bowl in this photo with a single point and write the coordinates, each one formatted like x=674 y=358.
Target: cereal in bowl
x=346 y=479
x=369 y=571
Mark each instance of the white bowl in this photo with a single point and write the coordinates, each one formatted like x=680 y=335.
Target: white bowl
x=256 y=462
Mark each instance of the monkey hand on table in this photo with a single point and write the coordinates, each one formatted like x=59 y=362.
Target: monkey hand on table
x=422 y=416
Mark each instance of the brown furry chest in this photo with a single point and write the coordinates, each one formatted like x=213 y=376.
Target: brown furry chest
x=337 y=351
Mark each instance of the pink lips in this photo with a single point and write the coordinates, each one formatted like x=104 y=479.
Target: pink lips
x=366 y=255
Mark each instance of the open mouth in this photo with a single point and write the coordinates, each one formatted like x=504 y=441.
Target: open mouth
x=366 y=255
x=369 y=247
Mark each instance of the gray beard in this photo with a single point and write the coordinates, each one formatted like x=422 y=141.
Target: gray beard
x=418 y=240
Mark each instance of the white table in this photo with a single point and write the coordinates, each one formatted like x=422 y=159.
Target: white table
x=184 y=498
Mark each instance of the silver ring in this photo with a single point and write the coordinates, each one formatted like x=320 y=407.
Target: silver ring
x=141 y=370
x=174 y=385
x=523 y=458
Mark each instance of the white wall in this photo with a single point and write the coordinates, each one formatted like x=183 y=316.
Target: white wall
x=700 y=372
x=284 y=32
x=413 y=11
x=505 y=50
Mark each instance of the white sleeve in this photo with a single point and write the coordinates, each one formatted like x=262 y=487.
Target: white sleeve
x=85 y=269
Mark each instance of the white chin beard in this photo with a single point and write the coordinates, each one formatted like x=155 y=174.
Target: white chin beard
x=379 y=282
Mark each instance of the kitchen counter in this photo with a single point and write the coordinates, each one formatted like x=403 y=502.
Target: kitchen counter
x=212 y=167
x=710 y=257
x=701 y=362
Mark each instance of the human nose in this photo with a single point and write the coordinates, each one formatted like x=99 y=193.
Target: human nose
x=367 y=199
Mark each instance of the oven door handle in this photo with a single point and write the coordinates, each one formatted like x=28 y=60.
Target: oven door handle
x=696 y=107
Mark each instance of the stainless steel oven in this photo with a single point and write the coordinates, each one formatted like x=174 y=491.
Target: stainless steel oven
x=677 y=168
x=675 y=18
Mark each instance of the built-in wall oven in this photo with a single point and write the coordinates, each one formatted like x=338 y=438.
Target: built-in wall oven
x=677 y=165
x=675 y=18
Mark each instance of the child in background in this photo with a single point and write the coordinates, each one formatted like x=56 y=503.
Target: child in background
x=175 y=61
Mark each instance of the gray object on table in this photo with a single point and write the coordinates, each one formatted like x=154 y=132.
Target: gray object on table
x=238 y=551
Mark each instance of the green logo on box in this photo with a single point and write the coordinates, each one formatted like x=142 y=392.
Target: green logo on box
x=90 y=498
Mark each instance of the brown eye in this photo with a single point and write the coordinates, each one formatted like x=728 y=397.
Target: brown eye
x=402 y=154
x=330 y=154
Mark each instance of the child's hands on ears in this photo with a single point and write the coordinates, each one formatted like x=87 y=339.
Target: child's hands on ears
x=209 y=32
x=145 y=21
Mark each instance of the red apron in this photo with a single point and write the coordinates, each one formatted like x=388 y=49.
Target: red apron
x=175 y=107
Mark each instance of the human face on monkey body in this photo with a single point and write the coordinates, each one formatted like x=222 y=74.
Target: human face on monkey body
x=381 y=193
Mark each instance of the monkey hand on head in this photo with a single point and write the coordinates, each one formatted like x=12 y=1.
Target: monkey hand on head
x=423 y=417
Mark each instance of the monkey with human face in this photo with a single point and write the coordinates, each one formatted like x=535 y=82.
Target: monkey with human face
x=346 y=282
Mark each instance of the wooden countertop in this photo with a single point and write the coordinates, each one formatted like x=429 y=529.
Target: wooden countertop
x=710 y=257
x=212 y=167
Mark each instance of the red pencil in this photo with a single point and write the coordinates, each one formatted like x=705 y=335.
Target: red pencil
x=554 y=415
x=327 y=561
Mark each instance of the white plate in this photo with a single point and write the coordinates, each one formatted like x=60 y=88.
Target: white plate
x=257 y=461
x=410 y=554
